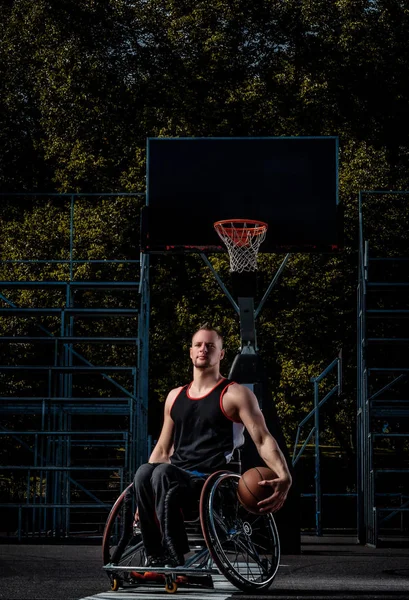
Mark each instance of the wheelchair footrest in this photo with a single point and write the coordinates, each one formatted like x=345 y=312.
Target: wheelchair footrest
x=159 y=576
x=158 y=570
x=152 y=577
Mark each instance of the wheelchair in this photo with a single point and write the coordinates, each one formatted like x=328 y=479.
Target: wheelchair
x=225 y=538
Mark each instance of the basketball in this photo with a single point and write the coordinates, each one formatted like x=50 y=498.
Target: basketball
x=249 y=492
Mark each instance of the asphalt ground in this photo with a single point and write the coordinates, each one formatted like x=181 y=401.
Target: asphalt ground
x=333 y=567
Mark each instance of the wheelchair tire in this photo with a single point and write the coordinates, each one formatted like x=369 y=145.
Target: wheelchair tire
x=120 y=544
x=244 y=546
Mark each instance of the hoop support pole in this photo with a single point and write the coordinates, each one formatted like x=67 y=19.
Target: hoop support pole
x=247 y=325
x=272 y=284
x=220 y=282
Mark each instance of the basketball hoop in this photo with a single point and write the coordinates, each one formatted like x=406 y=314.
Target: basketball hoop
x=243 y=238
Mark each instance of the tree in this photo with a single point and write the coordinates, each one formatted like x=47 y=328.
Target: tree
x=84 y=83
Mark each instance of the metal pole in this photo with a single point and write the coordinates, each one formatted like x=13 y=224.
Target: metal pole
x=318 y=523
x=360 y=404
x=272 y=284
x=220 y=282
x=71 y=236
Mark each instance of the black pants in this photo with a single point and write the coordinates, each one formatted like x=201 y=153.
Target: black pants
x=162 y=492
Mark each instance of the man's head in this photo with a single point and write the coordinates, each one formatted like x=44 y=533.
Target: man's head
x=207 y=347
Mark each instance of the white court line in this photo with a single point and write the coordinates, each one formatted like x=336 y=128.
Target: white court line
x=138 y=592
x=222 y=590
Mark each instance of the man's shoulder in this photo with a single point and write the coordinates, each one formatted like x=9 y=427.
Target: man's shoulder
x=233 y=385
x=237 y=389
x=171 y=397
x=175 y=392
x=237 y=397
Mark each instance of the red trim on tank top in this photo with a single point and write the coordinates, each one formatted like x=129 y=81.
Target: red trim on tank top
x=176 y=397
x=221 y=403
x=200 y=397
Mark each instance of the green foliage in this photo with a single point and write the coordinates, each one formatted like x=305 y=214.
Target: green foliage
x=84 y=83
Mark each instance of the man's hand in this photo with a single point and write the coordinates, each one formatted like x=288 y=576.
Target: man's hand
x=280 y=487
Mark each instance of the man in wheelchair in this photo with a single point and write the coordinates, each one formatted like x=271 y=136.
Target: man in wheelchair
x=203 y=424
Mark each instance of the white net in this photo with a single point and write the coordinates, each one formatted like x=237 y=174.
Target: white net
x=243 y=240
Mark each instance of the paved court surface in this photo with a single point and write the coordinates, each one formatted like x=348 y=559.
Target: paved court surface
x=328 y=568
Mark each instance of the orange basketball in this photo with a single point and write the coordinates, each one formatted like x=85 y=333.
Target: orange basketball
x=249 y=492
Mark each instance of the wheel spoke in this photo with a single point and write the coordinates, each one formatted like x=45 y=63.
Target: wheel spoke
x=244 y=546
x=120 y=544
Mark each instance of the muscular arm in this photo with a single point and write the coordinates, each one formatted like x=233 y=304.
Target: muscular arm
x=241 y=400
x=162 y=451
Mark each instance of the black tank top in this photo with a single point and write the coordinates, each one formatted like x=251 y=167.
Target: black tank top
x=204 y=436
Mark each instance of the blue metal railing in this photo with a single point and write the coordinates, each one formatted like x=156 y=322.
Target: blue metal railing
x=376 y=383
x=315 y=431
x=51 y=444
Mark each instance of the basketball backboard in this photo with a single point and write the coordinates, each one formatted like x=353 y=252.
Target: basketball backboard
x=289 y=182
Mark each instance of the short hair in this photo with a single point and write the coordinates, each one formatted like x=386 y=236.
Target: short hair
x=209 y=327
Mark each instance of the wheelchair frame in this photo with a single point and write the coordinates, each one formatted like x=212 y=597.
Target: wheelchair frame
x=242 y=546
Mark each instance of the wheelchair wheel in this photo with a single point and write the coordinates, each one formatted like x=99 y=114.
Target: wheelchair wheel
x=121 y=544
x=244 y=546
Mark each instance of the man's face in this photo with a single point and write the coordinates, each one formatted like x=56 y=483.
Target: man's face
x=206 y=350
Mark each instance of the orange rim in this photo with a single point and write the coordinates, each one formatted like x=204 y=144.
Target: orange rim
x=240 y=236
x=228 y=226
